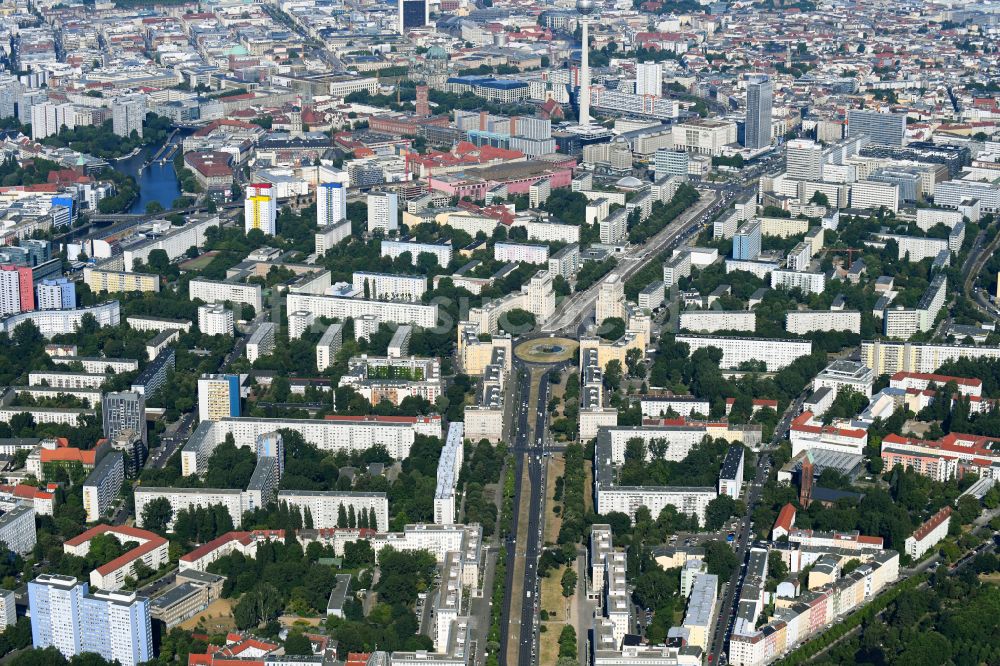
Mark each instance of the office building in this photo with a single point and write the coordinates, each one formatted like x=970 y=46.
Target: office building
x=670 y=162
x=959 y=194
x=260 y=209
x=331 y=204
x=102 y=485
x=874 y=194
x=56 y=294
x=218 y=397
x=846 y=374
x=383 y=211
x=760 y=97
x=649 y=79
x=885 y=129
x=125 y=410
x=66 y=616
x=413 y=14
x=804 y=160
x=704 y=136
x=127 y=116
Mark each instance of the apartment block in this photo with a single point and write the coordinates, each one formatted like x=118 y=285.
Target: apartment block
x=328 y=346
x=214 y=291
x=102 y=486
x=802 y=322
x=66 y=616
x=709 y=321
x=384 y=286
x=100 y=280
x=261 y=341
x=773 y=352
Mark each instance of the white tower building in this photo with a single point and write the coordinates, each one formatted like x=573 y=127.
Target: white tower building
x=585 y=8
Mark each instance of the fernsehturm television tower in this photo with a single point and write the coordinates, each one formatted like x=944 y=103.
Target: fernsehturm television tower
x=585 y=8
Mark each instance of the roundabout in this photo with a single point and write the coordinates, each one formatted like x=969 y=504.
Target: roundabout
x=546 y=350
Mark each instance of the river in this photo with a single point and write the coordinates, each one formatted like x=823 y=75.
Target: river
x=157 y=182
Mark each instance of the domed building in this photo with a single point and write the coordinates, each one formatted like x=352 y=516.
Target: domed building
x=630 y=184
x=431 y=67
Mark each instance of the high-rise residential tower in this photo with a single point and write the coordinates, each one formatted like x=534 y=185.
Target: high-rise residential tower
x=760 y=97
x=260 y=210
x=331 y=203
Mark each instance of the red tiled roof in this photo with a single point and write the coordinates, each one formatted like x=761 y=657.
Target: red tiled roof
x=955 y=442
x=685 y=422
x=151 y=542
x=802 y=423
x=786 y=518
x=937 y=379
x=218 y=542
x=921 y=532
x=69 y=454
x=357 y=658
x=27 y=492
x=210 y=163
x=383 y=419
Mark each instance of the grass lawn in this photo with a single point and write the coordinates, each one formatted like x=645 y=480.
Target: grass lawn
x=217 y=618
x=553 y=522
x=198 y=263
x=588 y=485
